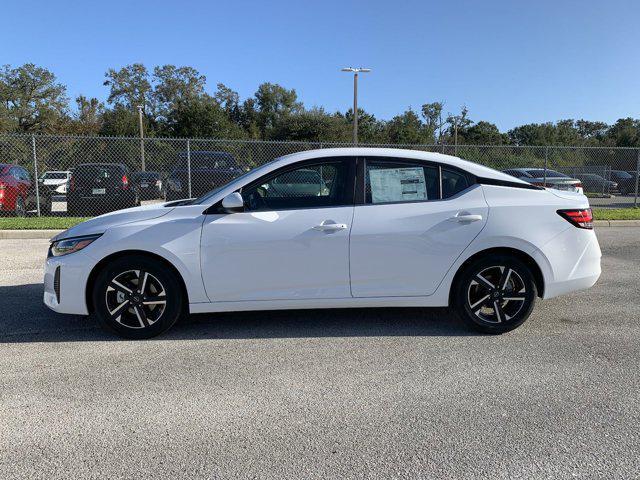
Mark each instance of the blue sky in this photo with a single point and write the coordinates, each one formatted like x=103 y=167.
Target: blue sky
x=510 y=62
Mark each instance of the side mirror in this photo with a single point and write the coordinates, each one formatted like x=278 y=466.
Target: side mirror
x=233 y=203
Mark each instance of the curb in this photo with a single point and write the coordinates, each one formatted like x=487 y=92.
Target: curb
x=616 y=223
x=28 y=234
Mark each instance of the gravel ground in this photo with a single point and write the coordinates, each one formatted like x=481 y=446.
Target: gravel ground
x=387 y=393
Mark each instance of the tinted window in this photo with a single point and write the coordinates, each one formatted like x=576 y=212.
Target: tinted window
x=539 y=173
x=621 y=174
x=391 y=182
x=516 y=173
x=311 y=186
x=452 y=183
x=55 y=175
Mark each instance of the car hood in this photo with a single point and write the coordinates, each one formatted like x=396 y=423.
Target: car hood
x=120 y=217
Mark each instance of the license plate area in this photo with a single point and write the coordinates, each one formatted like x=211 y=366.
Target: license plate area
x=99 y=191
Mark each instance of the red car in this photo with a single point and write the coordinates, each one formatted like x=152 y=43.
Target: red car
x=17 y=192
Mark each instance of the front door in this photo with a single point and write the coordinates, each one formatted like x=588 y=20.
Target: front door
x=292 y=240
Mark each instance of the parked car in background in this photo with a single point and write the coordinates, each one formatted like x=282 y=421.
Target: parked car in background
x=96 y=188
x=208 y=169
x=625 y=180
x=596 y=184
x=54 y=179
x=18 y=193
x=149 y=184
x=556 y=180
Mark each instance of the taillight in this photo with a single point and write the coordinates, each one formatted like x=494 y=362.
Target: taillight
x=72 y=184
x=125 y=182
x=581 y=218
x=2 y=187
x=578 y=185
x=538 y=184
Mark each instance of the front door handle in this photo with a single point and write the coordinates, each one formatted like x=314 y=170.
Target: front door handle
x=330 y=226
x=467 y=218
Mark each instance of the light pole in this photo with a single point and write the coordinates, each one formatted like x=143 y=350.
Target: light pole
x=356 y=71
x=140 y=107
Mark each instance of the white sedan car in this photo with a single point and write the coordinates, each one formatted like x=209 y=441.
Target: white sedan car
x=384 y=228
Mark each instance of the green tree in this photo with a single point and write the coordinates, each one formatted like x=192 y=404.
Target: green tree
x=129 y=87
x=625 y=132
x=202 y=117
x=485 y=133
x=408 y=129
x=432 y=114
x=173 y=85
x=274 y=101
x=32 y=100
x=313 y=125
x=88 y=118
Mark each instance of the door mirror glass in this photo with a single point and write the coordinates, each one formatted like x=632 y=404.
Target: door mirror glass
x=233 y=203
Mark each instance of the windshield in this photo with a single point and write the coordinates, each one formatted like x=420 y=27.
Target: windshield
x=622 y=174
x=55 y=175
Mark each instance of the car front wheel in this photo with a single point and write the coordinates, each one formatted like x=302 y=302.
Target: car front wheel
x=137 y=297
x=495 y=294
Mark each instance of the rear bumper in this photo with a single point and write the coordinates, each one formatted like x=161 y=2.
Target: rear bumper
x=570 y=262
x=74 y=272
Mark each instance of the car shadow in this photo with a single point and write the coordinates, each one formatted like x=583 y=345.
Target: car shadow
x=25 y=319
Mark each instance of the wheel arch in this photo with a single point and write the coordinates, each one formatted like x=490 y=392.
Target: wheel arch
x=132 y=253
x=514 y=252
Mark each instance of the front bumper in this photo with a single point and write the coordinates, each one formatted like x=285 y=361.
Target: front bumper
x=74 y=273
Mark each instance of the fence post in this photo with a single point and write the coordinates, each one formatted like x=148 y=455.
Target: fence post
x=546 y=165
x=635 y=199
x=189 y=165
x=35 y=172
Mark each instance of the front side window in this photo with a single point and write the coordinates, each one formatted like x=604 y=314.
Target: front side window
x=393 y=182
x=309 y=186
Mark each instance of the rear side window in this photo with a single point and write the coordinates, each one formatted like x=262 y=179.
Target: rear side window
x=391 y=182
x=453 y=183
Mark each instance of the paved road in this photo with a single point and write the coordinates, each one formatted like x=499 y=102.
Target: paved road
x=345 y=394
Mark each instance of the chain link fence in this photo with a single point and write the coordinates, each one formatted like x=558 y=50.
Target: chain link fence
x=85 y=176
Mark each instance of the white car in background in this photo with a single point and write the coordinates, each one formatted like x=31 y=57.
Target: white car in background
x=56 y=180
x=385 y=228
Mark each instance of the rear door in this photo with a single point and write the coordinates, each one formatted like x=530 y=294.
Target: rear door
x=414 y=220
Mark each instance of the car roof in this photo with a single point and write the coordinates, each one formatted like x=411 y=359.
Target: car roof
x=471 y=167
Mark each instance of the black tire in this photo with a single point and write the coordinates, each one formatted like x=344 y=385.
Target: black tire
x=112 y=302
x=507 y=306
x=20 y=207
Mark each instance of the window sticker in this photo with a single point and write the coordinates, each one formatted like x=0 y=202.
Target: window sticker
x=397 y=184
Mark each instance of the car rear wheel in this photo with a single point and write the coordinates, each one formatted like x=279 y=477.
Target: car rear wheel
x=495 y=294
x=137 y=297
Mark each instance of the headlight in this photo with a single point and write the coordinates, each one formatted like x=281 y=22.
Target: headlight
x=70 y=245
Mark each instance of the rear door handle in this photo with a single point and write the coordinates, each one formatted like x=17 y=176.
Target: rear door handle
x=467 y=218
x=330 y=226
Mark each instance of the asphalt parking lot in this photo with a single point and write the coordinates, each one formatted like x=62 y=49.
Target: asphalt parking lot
x=389 y=393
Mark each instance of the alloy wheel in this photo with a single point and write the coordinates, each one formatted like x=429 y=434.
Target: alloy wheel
x=496 y=294
x=135 y=299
